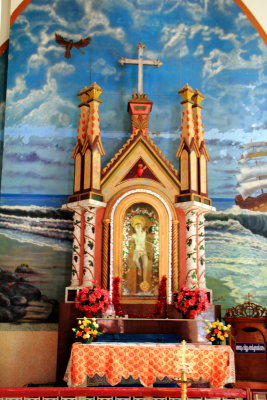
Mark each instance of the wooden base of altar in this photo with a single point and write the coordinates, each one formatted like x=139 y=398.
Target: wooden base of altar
x=190 y=330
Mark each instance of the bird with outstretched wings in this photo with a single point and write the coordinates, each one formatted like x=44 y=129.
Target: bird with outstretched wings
x=69 y=44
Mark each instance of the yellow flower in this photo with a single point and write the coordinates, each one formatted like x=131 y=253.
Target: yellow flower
x=86 y=336
x=81 y=326
x=212 y=339
x=226 y=334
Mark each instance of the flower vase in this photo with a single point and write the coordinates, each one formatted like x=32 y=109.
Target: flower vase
x=87 y=341
x=90 y=314
x=188 y=315
x=217 y=342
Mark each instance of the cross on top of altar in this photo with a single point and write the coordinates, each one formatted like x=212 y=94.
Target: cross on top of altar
x=140 y=62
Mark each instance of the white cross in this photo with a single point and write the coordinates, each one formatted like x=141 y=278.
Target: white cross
x=140 y=62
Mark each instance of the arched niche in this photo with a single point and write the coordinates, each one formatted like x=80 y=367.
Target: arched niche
x=128 y=257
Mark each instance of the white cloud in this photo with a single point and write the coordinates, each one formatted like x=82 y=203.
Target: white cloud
x=96 y=23
x=100 y=66
x=199 y=50
x=18 y=88
x=39 y=105
x=218 y=60
x=175 y=37
x=178 y=36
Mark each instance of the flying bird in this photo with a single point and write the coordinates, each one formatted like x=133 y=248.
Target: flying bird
x=69 y=44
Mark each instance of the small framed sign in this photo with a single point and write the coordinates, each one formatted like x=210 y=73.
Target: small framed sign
x=248 y=348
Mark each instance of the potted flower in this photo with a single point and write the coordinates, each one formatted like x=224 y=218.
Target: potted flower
x=87 y=330
x=93 y=300
x=191 y=301
x=217 y=332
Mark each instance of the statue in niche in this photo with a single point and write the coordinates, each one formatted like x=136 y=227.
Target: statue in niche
x=140 y=273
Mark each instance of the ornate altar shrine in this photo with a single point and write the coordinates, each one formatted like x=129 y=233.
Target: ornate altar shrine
x=139 y=218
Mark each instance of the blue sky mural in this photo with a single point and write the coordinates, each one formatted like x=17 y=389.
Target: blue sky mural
x=209 y=44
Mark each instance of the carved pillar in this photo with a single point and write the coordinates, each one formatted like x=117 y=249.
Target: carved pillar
x=195 y=241
x=175 y=256
x=201 y=251
x=105 y=253
x=75 y=270
x=191 y=246
x=89 y=246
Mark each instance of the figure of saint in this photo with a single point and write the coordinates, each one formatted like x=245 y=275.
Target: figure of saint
x=141 y=245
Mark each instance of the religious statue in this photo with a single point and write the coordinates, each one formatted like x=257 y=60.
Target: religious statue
x=140 y=272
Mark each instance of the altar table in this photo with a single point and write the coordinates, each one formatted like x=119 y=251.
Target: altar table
x=149 y=361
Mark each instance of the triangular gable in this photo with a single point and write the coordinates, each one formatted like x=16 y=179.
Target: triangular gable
x=192 y=146
x=121 y=172
x=92 y=145
x=152 y=148
x=77 y=148
x=203 y=150
x=140 y=170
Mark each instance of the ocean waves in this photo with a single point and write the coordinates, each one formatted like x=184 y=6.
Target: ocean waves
x=38 y=225
x=236 y=255
x=255 y=222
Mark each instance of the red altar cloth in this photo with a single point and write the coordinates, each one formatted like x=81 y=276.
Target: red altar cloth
x=148 y=361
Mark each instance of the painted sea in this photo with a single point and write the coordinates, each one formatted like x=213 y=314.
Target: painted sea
x=35 y=257
x=36 y=232
x=236 y=255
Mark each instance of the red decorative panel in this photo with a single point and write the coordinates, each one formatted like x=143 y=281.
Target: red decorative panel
x=140 y=170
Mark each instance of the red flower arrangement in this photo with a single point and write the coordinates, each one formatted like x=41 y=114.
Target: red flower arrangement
x=92 y=300
x=160 y=307
x=191 y=301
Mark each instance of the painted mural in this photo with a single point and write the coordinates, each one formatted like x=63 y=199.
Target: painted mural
x=210 y=45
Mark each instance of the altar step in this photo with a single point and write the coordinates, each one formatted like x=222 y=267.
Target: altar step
x=114 y=393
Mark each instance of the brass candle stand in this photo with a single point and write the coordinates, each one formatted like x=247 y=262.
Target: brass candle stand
x=185 y=368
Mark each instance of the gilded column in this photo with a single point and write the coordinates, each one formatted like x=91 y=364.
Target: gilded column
x=105 y=253
x=175 y=256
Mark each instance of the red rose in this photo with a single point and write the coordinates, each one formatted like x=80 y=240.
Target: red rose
x=92 y=298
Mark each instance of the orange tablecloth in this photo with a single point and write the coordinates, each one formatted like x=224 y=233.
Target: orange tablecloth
x=148 y=361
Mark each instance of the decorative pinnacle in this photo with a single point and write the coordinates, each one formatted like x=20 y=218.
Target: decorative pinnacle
x=94 y=91
x=186 y=93
x=83 y=95
x=197 y=98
